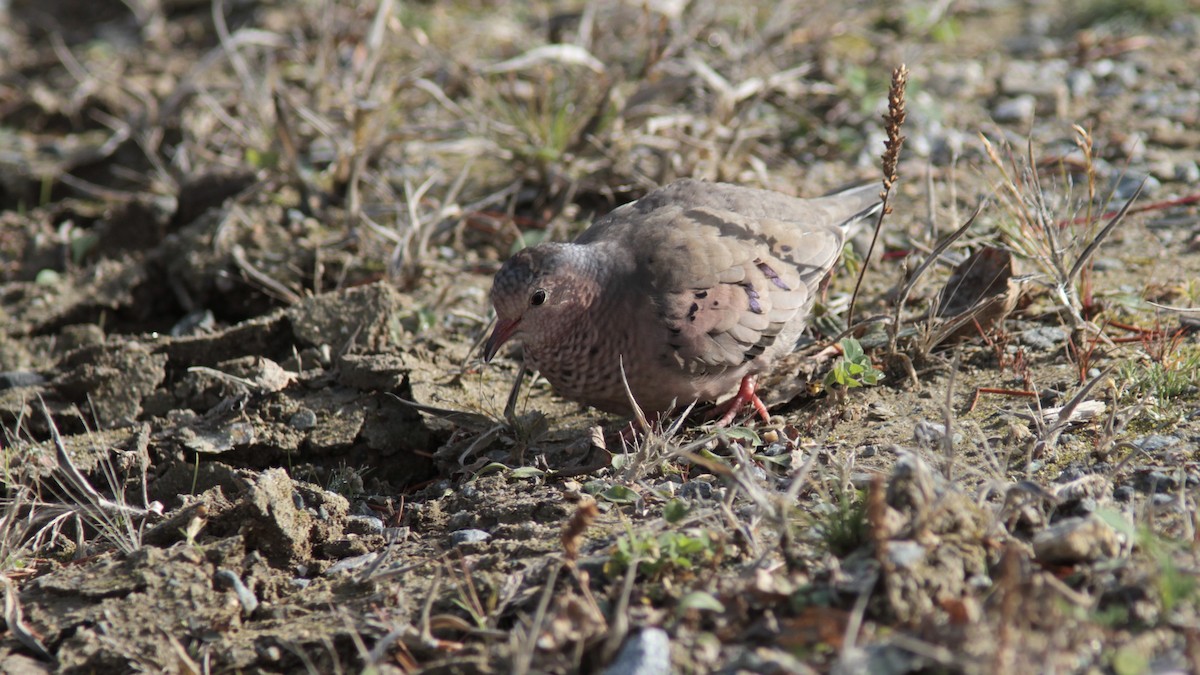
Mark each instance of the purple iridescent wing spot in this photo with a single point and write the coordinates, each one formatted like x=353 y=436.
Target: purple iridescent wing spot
x=772 y=275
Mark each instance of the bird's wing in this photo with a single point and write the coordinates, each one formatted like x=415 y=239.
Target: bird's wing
x=723 y=286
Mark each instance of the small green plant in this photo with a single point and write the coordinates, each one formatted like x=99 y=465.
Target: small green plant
x=1056 y=221
x=347 y=480
x=841 y=523
x=666 y=552
x=675 y=510
x=854 y=369
x=1162 y=382
x=542 y=110
x=1175 y=376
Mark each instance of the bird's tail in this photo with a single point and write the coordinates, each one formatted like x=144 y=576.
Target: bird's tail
x=851 y=207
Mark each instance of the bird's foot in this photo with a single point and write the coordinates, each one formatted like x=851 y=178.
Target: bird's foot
x=746 y=394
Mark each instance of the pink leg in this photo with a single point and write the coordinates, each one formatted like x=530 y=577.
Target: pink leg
x=745 y=394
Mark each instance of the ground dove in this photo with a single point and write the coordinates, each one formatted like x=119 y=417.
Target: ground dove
x=694 y=289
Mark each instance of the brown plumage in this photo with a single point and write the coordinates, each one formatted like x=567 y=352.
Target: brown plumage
x=694 y=288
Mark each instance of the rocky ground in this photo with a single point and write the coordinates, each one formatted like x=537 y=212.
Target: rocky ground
x=245 y=250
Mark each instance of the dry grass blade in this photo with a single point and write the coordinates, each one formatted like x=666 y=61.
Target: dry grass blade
x=514 y=394
x=619 y=624
x=75 y=479
x=1033 y=233
x=1050 y=437
x=375 y=42
x=523 y=661
x=290 y=150
x=117 y=521
x=936 y=254
x=572 y=55
x=15 y=522
x=15 y=620
x=462 y=418
x=948 y=419
x=638 y=415
x=1169 y=308
x=184 y=660
x=268 y=285
x=1088 y=252
x=236 y=60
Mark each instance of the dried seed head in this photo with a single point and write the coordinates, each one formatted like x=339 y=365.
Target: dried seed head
x=894 y=120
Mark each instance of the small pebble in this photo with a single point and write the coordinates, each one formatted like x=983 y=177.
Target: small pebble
x=20 y=378
x=695 y=489
x=469 y=537
x=1020 y=109
x=647 y=652
x=363 y=525
x=1155 y=442
x=244 y=595
x=1164 y=500
x=932 y=434
x=905 y=554
x=1124 y=185
x=773 y=450
x=1076 y=540
x=1044 y=338
x=1187 y=172
x=303 y=420
x=1080 y=83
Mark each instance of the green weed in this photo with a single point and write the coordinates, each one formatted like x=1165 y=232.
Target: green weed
x=854 y=369
x=841 y=523
x=665 y=553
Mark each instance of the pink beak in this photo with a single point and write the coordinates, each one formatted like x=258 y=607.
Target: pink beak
x=503 y=331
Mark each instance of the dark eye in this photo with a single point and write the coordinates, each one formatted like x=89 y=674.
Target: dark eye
x=538 y=298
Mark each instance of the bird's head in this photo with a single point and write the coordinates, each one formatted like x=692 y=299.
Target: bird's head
x=539 y=295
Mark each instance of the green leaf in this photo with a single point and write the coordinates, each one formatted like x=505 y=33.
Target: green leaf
x=261 y=160
x=701 y=601
x=852 y=349
x=47 y=277
x=494 y=467
x=713 y=457
x=620 y=494
x=1129 y=661
x=743 y=434
x=675 y=510
x=783 y=459
x=527 y=472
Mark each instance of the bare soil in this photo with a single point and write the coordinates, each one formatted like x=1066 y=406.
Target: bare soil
x=245 y=251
